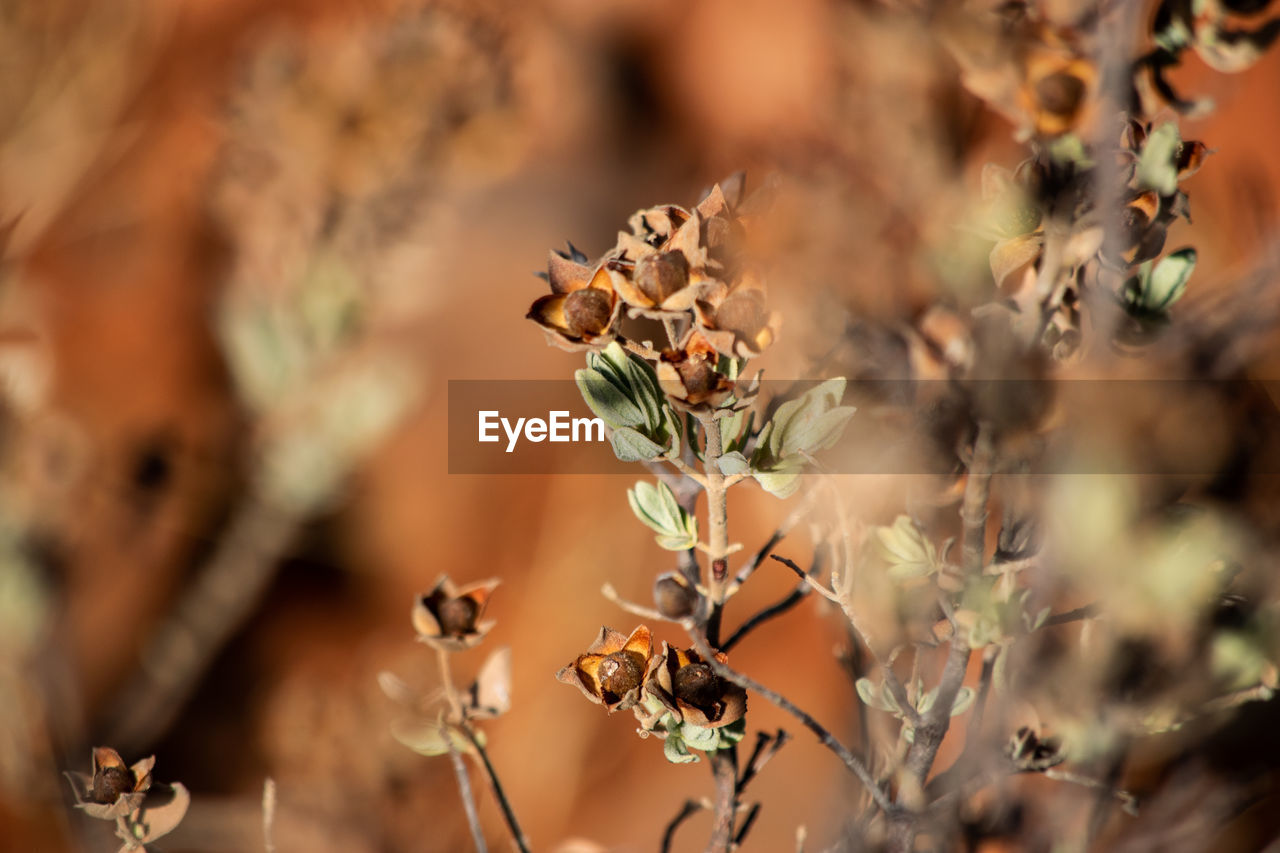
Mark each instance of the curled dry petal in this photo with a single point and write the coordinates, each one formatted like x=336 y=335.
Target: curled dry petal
x=114 y=789
x=686 y=685
x=582 y=307
x=613 y=668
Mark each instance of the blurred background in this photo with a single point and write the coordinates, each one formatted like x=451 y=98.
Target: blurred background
x=247 y=247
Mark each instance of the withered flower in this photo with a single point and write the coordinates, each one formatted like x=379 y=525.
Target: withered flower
x=448 y=617
x=735 y=319
x=613 y=668
x=688 y=687
x=1056 y=89
x=114 y=789
x=689 y=374
x=661 y=280
x=582 y=307
x=672 y=255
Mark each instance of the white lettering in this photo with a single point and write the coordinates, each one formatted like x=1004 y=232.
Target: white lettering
x=535 y=430
x=488 y=422
x=513 y=435
x=587 y=424
x=559 y=426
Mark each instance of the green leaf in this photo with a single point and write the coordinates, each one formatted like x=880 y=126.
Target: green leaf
x=696 y=737
x=1158 y=164
x=606 y=400
x=732 y=463
x=780 y=484
x=818 y=434
x=630 y=446
x=657 y=508
x=1168 y=280
x=427 y=737
x=676 y=752
x=907 y=551
x=868 y=692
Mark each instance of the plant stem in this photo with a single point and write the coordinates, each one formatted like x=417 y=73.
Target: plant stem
x=462 y=724
x=688 y=810
x=717 y=521
x=459 y=769
x=724 y=767
x=446 y=681
x=933 y=726
x=508 y=813
x=828 y=740
x=464 y=789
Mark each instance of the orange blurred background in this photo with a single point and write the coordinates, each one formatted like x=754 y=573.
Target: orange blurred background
x=162 y=154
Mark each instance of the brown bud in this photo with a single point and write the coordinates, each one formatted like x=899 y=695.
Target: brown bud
x=660 y=275
x=457 y=616
x=620 y=672
x=587 y=311
x=742 y=313
x=674 y=598
x=698 y=375
x=110 y=782
x=696 y=685
x=1060 y=94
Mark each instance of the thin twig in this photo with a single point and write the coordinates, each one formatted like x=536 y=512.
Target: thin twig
x=774 y=610
x=747 y=822
x=688 y=810
x=464 y=790
x=1089 y=611
x=508 y=813
x=828 y=740
x=807 y=579
x=631 y=607
x=933 y=726
x=767 y=746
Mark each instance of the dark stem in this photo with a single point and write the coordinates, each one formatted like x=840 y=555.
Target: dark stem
x=508 y=814
x=1087 y=612
x=779 y=607
x=827 y=739
x=776 y=609
x=688 y=810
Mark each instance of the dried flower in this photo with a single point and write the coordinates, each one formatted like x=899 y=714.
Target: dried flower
x=689 y=373
x=114 y=789
x=1056 y=90
x=735 y=318
x=582 y=307
x=448 y=616
x=688 y=687
x=613 y=668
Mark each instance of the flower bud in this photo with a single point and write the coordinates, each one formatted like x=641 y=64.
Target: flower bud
x=673 y=596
